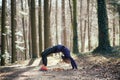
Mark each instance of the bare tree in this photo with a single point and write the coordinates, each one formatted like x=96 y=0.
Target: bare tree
x=24 y=33
x=13 y=29
x=40 y=27
x=103 y=36
x=81 y=27
x=3 y=32
x=34 y=30
x=75 y=34
x=114 y=10
x=56 y=21
x=63 y=36
x=89 y=28
x=47 y=35
x=119 y=23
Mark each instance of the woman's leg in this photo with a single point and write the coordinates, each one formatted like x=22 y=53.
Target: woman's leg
x=44 y=59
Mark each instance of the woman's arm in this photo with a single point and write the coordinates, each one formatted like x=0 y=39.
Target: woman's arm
x=73 y=63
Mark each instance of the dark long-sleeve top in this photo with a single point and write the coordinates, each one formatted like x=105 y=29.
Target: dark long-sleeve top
x=60 y=48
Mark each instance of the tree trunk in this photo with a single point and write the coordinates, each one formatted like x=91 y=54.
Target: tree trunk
x=29 y=33
x=24 y=34
x=89 y=29
x=56 y=21
x=103 y=36
x=13 y=29
x=27 y=30
x=47 y=35
x=119 y=25
x=34 y=30
x=3 y=32
x=71 y=17
x=81 y=34
x=84 y=36
x=75 y=34
x=114 y=25
x=63 y=36
x=40 y=28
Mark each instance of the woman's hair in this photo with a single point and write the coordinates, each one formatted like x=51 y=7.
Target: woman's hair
x=63 y=57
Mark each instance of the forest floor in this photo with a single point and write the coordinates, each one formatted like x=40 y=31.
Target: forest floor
x=90 y=67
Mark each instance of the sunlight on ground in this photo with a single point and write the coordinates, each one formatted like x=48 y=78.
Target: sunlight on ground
x=98 y=59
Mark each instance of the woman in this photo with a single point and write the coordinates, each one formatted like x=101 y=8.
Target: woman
x=55 y=49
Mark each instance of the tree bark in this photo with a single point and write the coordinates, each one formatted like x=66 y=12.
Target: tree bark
x=24 y=32
x=103 y=35
x=89 y=29
x=40 y=28
x=13 y=29
x=114 y=25
x=3 y=32
x=119 y=25
x=75 y=34
x=47 y=33
x=63 y=32
x=56 y=21
x=84 y=36
x=81 y=31
x=34 y=30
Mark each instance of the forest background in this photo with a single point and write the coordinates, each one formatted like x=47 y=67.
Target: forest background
x=30 y=26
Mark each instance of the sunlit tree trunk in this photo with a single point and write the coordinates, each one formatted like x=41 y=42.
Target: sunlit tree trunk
x=103 y=36
x=29 y=35
x=89 y=28
x=71 y=17
x=3 y=32
x=24 y=32
x=84 y=36
x=75 y=34
x=81 y=27
x=63 y=32
x=13 y=29
x=56 y=21
x=114 y=26
x=27 y=30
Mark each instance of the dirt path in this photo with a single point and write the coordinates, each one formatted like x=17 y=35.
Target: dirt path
x=89 y=68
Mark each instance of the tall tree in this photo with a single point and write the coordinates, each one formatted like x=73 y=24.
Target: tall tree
x=119 y=23
x=63 y=24
x=56 y=21
x=3 y=32
x=114 y=10
x=47 y=36
x=24 y=32
x=84 y=36
x=29 y=31
x=118 y=7
x=71 y=17
x=40 y=27
x=89 y=28
x=81 y=27
x=75 y=34
x=103 y=36
x=34 y=30
x=13 y=29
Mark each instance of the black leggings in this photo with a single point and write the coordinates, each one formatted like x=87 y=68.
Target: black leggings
x=47 y=52
x=44 y=59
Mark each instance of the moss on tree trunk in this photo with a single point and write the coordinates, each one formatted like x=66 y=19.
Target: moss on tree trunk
x=103 y=35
